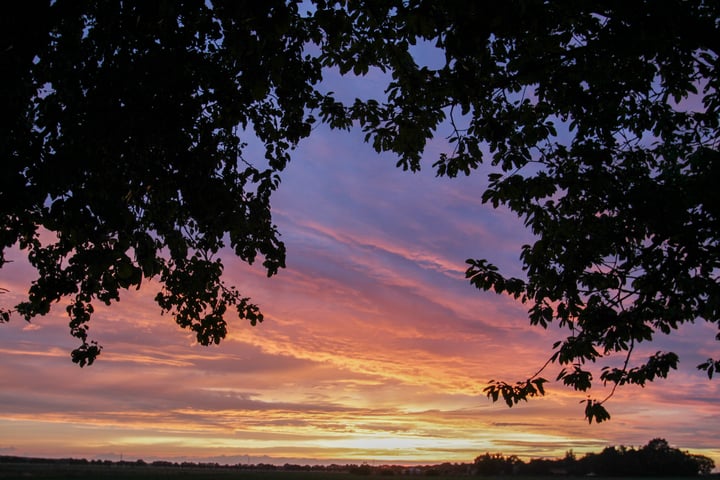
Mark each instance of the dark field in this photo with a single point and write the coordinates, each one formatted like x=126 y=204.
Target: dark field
x=35 y=471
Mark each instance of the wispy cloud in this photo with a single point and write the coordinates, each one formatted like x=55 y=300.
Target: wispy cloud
x=374 y=345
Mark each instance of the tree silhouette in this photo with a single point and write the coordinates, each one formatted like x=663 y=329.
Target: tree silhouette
x=124 y=138
x=599 y=125
x=495 y=464
x=656 y=459
x=124 y=125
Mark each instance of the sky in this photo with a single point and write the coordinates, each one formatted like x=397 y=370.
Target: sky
x=374 y=347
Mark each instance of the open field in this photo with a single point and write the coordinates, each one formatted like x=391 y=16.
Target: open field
x=35 y=471
x=38 y=471
x=113 y=472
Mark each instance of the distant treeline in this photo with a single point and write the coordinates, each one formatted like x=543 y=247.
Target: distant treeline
x=655 y=459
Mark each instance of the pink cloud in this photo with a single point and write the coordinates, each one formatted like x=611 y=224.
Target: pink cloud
x=374 y=345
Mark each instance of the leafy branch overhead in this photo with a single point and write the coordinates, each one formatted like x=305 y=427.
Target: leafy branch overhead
x=125 y=126
x=598 y=125
x=125 y=139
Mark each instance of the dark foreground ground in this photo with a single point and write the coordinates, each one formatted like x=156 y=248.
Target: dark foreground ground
x=37 y=471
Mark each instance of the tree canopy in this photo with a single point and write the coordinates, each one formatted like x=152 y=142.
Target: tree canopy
x=656 y=459
x=125 y=122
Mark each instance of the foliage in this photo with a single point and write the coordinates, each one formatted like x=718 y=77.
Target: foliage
x=122 y=152
x=656 y=458
x=496 y=464
x=125 y=122
x=599 y=126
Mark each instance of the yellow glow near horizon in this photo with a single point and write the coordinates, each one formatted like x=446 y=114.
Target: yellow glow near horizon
x=373 y=347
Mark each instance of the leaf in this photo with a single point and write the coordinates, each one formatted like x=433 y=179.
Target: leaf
x=710 y=366
x=539 y=384
x=595 y=411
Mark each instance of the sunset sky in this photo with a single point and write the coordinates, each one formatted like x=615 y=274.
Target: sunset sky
x=375 y=348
